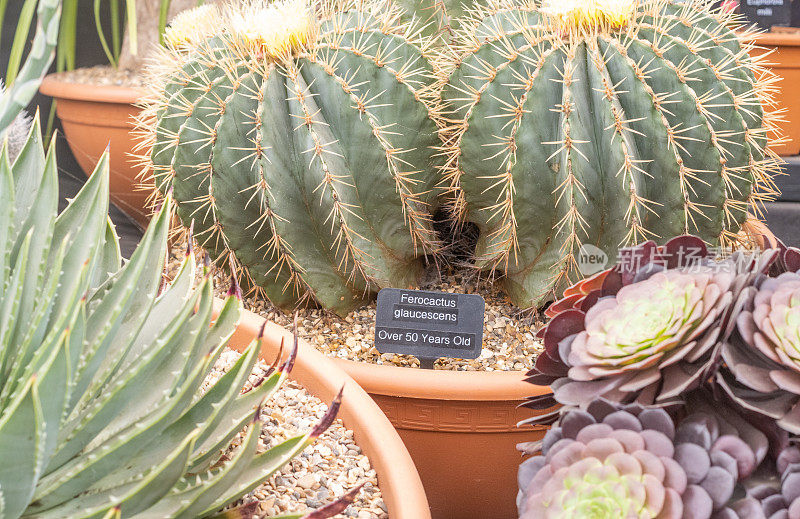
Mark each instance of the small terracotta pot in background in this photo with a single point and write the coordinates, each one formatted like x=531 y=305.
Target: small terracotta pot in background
x=398 y=479
x=96 y=116
x=785 y=62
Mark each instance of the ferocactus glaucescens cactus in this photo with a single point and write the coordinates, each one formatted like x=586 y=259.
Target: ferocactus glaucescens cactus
x=298 y=138
x=761 y=368
x=603 y=123
x=643 y=331
x=611 y=460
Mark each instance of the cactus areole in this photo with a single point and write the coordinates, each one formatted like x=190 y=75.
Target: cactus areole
x=298 y=137
x=603 y=123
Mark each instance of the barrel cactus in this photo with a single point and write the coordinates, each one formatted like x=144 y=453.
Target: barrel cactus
x=299 y=139
x=101 y=365
x=438 y=17
x=577 y=125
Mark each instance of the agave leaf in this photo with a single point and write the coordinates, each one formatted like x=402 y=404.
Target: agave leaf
x=175 y=296
x=27 y=170
x=11 y=300
x=6 y=212
x=109 y=257
x=40 y=218
x=197 y=417
x=132 y=394
x=53 y=389
x=81 y=227
x=222 y=330
x=219 y=487
x=195 y=492
x=75 y=346
x=21 y=439
x=219 y=433
x=259 y=469
x=31 y=348
x=129 y=295
x=160 y=383
x=131 y=497
x=85 y=470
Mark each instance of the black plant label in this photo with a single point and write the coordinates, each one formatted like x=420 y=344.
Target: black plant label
x=429 y=325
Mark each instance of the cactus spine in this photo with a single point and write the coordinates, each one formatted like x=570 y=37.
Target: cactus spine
x=603 y=123
x=298 y=137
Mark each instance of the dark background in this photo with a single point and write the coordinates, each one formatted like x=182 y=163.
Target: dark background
x=783 y=217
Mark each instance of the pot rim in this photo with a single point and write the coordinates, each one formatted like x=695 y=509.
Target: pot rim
x=441 y=384
x=782 y=39
x=399 y=481
x=53 y=86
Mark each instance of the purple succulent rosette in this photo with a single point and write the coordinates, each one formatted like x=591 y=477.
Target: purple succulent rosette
x=644 y=331
x=613 y=460
x=761 y=370
x=778 y=496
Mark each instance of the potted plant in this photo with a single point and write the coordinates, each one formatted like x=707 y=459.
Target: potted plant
x=307 y=154
x=103 y=414
x=703 y=395
x=780 y=49
x=97 y=106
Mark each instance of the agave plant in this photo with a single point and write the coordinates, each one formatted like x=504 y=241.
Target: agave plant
x=613 y=460
x=100 y=371
x=761 y=370
x=27 y=79
x=644 y=330
x=16 y=134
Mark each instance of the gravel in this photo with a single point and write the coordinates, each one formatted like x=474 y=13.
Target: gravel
x=324 y=471
x=103 y=75
x=509 y=342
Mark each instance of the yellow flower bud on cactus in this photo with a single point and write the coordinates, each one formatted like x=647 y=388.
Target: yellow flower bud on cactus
x=277 y=29
x=580 y=16
x=192 y=26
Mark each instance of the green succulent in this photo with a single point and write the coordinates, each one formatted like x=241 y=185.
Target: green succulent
x=437 y=16
x=101 y=366
x=582 y=125
x=299 y=138
x=42 y=50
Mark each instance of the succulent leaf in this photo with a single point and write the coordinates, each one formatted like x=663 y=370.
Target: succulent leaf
x=646 y=330
x=102 y=364
x=761 y=359
x=697 y=460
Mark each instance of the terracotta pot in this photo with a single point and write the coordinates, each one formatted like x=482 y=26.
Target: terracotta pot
x=398 y=479
x=96 y=116
x=785 y=62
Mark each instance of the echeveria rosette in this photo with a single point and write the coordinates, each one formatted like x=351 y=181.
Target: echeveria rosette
x=761 y=370
x=777 y=494
x=644 y=331
x=612 y=460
